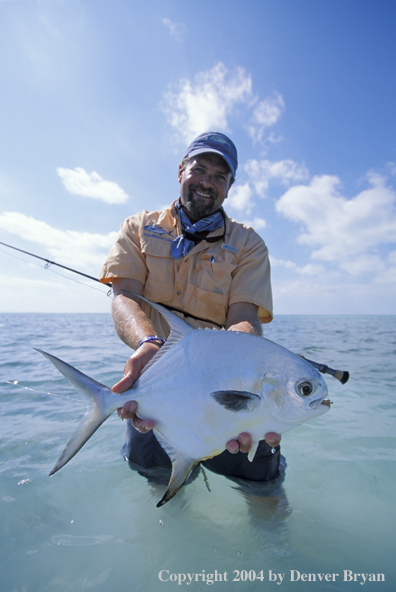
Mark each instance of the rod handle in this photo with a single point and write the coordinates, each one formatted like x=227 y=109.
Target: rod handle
x=341 y=375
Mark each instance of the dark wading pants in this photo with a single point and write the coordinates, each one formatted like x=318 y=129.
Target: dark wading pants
x=144 y=453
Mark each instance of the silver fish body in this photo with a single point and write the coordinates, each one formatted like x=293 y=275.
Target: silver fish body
x=203 y=388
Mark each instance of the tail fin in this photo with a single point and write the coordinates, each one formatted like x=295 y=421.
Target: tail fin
x=101 y=404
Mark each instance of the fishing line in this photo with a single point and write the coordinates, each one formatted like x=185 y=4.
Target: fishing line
x=27 y=388
x=48 y=267
x=205 y=478
x=49 y=263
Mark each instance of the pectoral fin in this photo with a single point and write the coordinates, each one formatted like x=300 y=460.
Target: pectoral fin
x=236 y=400
x=181 y=469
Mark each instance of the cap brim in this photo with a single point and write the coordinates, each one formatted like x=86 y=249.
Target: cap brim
x=203 y=150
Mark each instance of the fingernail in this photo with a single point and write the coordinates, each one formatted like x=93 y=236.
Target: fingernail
x=244 y=441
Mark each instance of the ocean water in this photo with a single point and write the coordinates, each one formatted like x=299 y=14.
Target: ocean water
x=94 y=525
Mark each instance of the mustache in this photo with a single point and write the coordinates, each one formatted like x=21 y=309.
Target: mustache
x=208 y=192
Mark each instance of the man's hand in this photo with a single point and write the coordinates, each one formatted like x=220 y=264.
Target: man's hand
x=244 y=442
x=132 y=369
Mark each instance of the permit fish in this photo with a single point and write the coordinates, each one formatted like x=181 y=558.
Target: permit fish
x=203 y=388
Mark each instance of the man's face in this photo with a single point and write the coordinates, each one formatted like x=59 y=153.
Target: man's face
x=204 y=184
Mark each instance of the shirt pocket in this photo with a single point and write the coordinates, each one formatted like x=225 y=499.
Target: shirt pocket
x=160 y=266
x=214 y=275
x=208 y=289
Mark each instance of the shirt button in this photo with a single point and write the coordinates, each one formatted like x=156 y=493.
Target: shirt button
x=178 y=293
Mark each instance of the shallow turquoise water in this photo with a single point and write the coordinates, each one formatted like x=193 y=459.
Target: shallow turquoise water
x=94 y=524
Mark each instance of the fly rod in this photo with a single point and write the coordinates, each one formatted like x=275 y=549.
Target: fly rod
x=49 y=262
x=342 y=376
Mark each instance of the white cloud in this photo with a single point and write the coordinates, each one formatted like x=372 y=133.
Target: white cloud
x=208 y=102
x=175 y=29
x=392 y=258
x=345 y=231
x=391 y=167
x=282 y=263
x=68 y=247
x=309 y=269
x=240 y=198
x=265 y=114
x=262 y=172
x=256 y=223
x=79 y=182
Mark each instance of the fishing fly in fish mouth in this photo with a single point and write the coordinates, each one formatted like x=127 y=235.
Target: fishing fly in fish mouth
x=234 y=391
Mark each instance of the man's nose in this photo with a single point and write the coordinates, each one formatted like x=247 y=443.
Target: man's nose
x=207 y=180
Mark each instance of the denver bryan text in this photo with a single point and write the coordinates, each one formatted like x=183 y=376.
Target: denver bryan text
x=347 y=576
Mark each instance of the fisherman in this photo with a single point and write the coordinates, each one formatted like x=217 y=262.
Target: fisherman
x=208 y=269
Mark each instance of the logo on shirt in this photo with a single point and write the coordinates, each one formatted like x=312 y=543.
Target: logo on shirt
x=156 y=232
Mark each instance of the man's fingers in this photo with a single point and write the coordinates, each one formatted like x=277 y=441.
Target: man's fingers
x=128 y=411
x=232 y=446
x=245 y=442
x=273 y=439
x=142 y=425
x=123 y=385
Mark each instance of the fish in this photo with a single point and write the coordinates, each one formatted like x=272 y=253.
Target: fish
x=203 y=388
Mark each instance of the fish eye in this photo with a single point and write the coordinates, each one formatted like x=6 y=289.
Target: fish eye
x=305 y=388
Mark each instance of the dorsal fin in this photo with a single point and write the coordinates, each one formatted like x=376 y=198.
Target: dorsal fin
x=178 y=328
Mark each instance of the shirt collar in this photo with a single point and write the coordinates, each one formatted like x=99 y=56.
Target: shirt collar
x=168 y=219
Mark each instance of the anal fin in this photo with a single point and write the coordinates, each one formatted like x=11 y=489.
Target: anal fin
x=181 y=469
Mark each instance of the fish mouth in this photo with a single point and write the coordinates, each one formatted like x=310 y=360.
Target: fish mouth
x=315 y=404
x=326 y=402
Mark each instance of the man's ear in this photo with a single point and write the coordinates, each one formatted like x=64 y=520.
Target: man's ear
x=179 y=174
x=229 y=186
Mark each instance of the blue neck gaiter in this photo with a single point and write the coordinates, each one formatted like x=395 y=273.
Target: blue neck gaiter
x=182 y=244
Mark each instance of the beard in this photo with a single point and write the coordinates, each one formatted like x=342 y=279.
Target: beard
x=199 y=210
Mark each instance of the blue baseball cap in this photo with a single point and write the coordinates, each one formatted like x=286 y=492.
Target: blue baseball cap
x=217 y=143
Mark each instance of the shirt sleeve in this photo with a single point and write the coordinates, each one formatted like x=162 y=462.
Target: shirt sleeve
x=125 y=259
x=252 y=278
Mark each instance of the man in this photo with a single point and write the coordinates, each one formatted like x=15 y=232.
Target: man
x=208 y=269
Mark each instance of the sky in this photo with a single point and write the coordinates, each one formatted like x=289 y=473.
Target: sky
x=99 y=99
